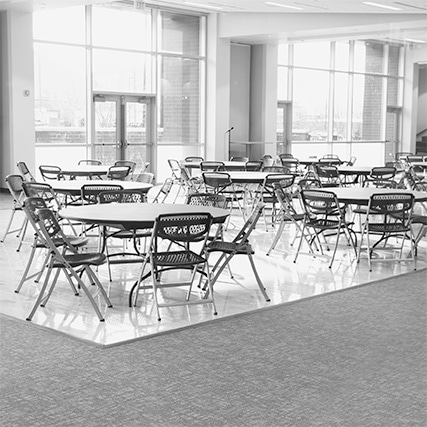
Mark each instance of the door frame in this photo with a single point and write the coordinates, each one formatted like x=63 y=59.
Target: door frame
x=121 y=99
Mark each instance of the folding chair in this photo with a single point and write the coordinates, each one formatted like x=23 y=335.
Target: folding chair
x=119 y=173
x=50 y=172
x=178 y=243
x=323 y=215
x=287 y=214
x=73 y=264
x=163 y=192
x=240 y=245
x=388 y=215
x=25 y=172
x=267 y=196
x=14 y=185
x=30 y=207
x=135 y=235
x=221 y=183
x=90 y=162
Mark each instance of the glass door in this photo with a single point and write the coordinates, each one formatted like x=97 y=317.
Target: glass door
x=122 y=128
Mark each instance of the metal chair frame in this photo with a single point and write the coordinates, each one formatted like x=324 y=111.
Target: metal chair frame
x=178 y=242
x=388 y=215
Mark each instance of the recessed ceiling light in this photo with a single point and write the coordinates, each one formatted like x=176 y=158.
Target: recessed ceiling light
x=381 y=5
x=283 y=5
x=415 y=40
x=203 y=5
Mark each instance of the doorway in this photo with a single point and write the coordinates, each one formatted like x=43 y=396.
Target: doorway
x=122 y=128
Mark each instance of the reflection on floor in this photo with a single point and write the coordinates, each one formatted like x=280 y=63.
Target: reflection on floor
x=284 y=280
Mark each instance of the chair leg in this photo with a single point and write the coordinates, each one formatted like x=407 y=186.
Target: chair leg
x=261 y=286
x=42 y=291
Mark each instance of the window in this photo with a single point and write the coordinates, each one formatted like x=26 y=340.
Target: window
x=340 y=106
x=60 y=88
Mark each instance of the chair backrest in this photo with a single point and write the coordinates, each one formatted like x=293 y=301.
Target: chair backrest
x=44 y=191
x=118 y=172
x=164 y=191
x=267 y=160
x=125 y=163
x=420 y=186
x=285 y=199
x=254 y=165
x=327 y=174
x=416 y=158
x=250 y=224
x=330 y=161
x=175 y=168
x=211 y=166
x=239 y=159
x=216 y=181
x=181 y=228
x=25 y=172
x=397 y=205
x=379 y=183
x=122 y=196
x=402 y=155
x=90 y=162
x=146 y=177
x=207 y=199
x=398 y=164
x=320 y=203
x=49 y=172
x=382 y=172
x=307 y=183
x=194 y=159
x=286 y=156
x=330 y=156
x=89 y=192
x=278 y=169
x=352 y=161
x=15 y=183
x=31 y=206
x=291 y=164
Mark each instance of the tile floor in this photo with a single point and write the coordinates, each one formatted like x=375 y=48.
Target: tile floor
x=284 y=280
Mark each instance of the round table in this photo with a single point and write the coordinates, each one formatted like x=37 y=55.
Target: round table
x=361 y=195
x=136 y=215
x=229 y=165
x=250 y=177
x=73 y=187
x=86 y=171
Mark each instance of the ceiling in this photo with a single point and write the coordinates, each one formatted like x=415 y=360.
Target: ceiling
x=407 y=32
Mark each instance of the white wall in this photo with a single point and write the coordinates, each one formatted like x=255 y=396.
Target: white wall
x=413 y=58
x=18 y=135
x=422 y=99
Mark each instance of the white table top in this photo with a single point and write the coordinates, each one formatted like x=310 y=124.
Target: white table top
x=135 y=215
x=73 y=187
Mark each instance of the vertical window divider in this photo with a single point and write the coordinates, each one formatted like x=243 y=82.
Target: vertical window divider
x=331 y=97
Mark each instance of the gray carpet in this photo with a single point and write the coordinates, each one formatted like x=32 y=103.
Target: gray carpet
x=351 y=358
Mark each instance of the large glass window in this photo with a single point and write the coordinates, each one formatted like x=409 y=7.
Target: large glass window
x=60 y=94
x=310 y=105
x=312 y=54
x=179 y=101
x=157 y=57
x=60 y=25
x=367 y=108
x=121 y=71
x=180 y=34
x=121 y=28
x=336 y=104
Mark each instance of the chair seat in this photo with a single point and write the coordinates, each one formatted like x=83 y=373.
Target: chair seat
x=230 y=247
x=178 y=258
x=87 y=258
x=390 y=227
